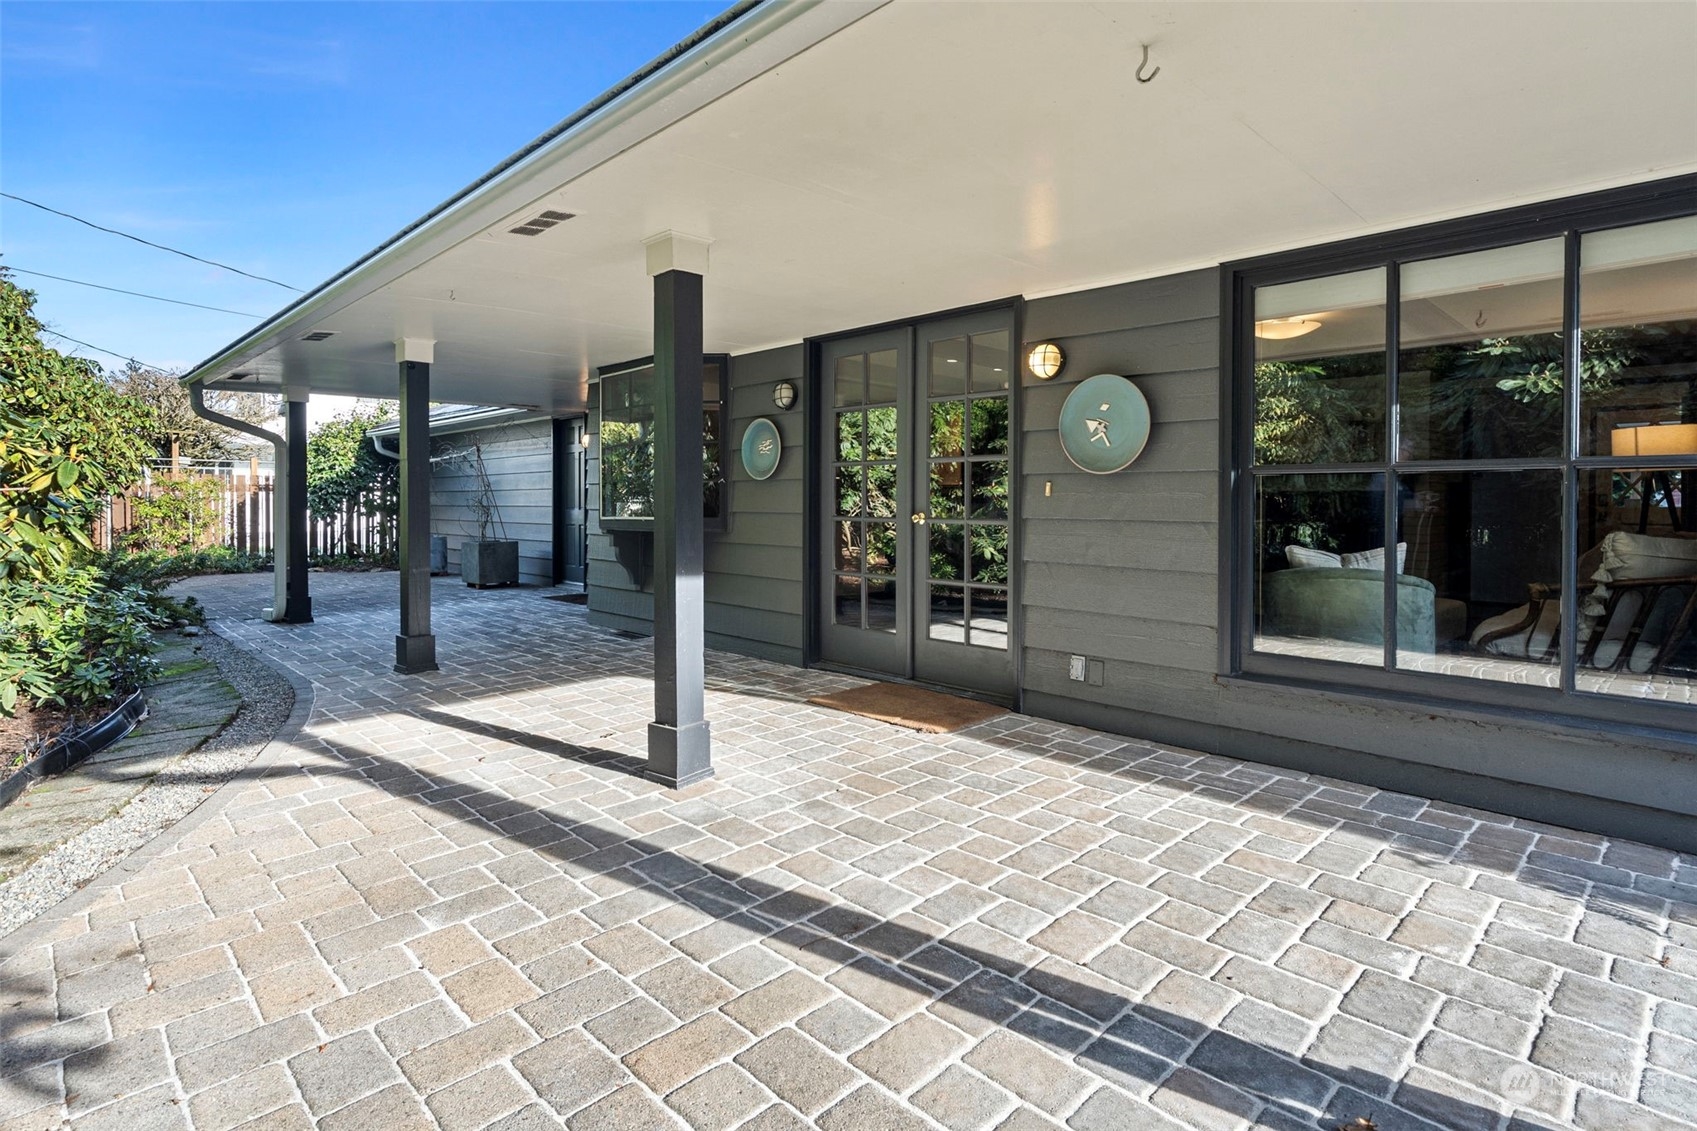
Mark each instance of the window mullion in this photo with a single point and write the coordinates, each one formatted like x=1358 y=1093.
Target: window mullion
x=1391 y=523
x=1571 y=361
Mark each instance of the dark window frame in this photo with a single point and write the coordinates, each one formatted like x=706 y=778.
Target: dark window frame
x=716 y=408
x=1569 y=218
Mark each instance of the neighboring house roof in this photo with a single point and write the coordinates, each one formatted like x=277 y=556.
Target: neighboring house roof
x=858 y=162
x=449 y=418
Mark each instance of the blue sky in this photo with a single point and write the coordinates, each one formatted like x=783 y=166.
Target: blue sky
x=286 y=139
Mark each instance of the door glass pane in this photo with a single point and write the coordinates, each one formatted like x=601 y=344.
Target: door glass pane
x=1481 y=354
x=948 y=419
x=989 y=427
x=850 y=501
x=1320 y=370
x=948 y=367
x=881 y=606
x=988 y=627
x=1483 y=551
x=989 y=554
x=1310 y=600
x=850 y=382
x=849 y=557
x=948 y=489
x=880 y=547
x=990 y=361
x=846 y=602
x=851 y=429
x=948 y=614
x=1637 y=632
x=948 y=551
x=989 y=488
x=881 y=424
x=1638 y=341
x=881 y=490
x=881 y=377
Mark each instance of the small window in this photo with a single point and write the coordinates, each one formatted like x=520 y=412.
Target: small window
x=627 y=442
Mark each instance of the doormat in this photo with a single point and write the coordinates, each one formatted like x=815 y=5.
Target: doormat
x=570 y=598
x=911 y=707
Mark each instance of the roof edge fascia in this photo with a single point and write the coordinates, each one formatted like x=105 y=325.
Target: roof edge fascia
x=466 y=421
x=512 y=184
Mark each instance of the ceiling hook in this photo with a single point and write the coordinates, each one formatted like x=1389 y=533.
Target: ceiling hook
x=1479 y=322
x=1145 y=63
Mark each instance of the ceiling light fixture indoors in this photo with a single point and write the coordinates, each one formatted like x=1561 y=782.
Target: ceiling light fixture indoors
x=1281 y=329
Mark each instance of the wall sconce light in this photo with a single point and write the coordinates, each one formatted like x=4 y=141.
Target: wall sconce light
x=783 y=395
x=1045 y=360
x=588 y=439
x=1282 y=329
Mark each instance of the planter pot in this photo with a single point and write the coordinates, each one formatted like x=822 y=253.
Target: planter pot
x=438 y=553
x=486 y=564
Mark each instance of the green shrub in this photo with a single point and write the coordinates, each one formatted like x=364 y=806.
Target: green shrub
x=176 y=513
x=150 y=571
x=67 y=441
x=73 y=641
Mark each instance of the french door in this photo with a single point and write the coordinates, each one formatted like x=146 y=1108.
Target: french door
x=915 y=502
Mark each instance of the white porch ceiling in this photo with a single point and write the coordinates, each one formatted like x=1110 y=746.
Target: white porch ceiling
x=932 y=155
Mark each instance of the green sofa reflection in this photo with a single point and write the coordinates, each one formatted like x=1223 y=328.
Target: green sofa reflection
x=1348 y=605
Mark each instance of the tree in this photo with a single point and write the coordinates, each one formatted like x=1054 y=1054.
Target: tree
x=68 y=440
x=343 y=470
x=175 y=419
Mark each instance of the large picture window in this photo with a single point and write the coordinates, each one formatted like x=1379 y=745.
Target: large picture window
x=627 y=442
x=1472 y=468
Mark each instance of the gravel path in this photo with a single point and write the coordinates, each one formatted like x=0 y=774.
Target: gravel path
x=267 y=700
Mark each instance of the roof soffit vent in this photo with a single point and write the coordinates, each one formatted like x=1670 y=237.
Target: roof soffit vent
x=317 y=335
x=541 y=222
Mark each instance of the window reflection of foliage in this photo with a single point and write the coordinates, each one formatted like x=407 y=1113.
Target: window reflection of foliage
x=627 y=449
x=1486 y=393
x=627 y=470
x=1311 y=412
x=1323 y=512
x=990 y=426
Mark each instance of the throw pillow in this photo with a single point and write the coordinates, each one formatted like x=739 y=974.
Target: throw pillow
x=1301 y=557
x=1375 y=559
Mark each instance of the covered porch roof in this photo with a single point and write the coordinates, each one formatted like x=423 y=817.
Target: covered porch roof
x=860 y=161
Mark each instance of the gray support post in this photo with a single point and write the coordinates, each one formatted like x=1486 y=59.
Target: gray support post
x=297 y=608
x=679 y=745
x=415 y=647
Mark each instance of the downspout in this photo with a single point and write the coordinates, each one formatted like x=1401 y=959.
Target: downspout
x=279 y=496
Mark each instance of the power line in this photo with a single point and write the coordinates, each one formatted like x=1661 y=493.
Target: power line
x=137 y=294
x=149 y=243
x=107 y=352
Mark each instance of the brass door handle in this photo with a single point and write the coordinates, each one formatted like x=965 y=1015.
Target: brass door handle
x=917 y=518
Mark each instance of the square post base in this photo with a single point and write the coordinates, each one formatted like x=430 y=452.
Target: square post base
x=415 y=654
x=298 y=610
x=679 y=756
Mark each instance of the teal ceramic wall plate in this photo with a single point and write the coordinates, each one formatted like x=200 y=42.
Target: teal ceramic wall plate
x=1104 y=424
x=761 y=447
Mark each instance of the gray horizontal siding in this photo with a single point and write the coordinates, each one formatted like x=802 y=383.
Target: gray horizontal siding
x=518 y=461
x=1123 y=568
x=753 y=579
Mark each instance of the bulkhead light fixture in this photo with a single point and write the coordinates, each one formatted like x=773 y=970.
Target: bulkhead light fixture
x=1281 y=329
x=783 y=395
x=1045 y=360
